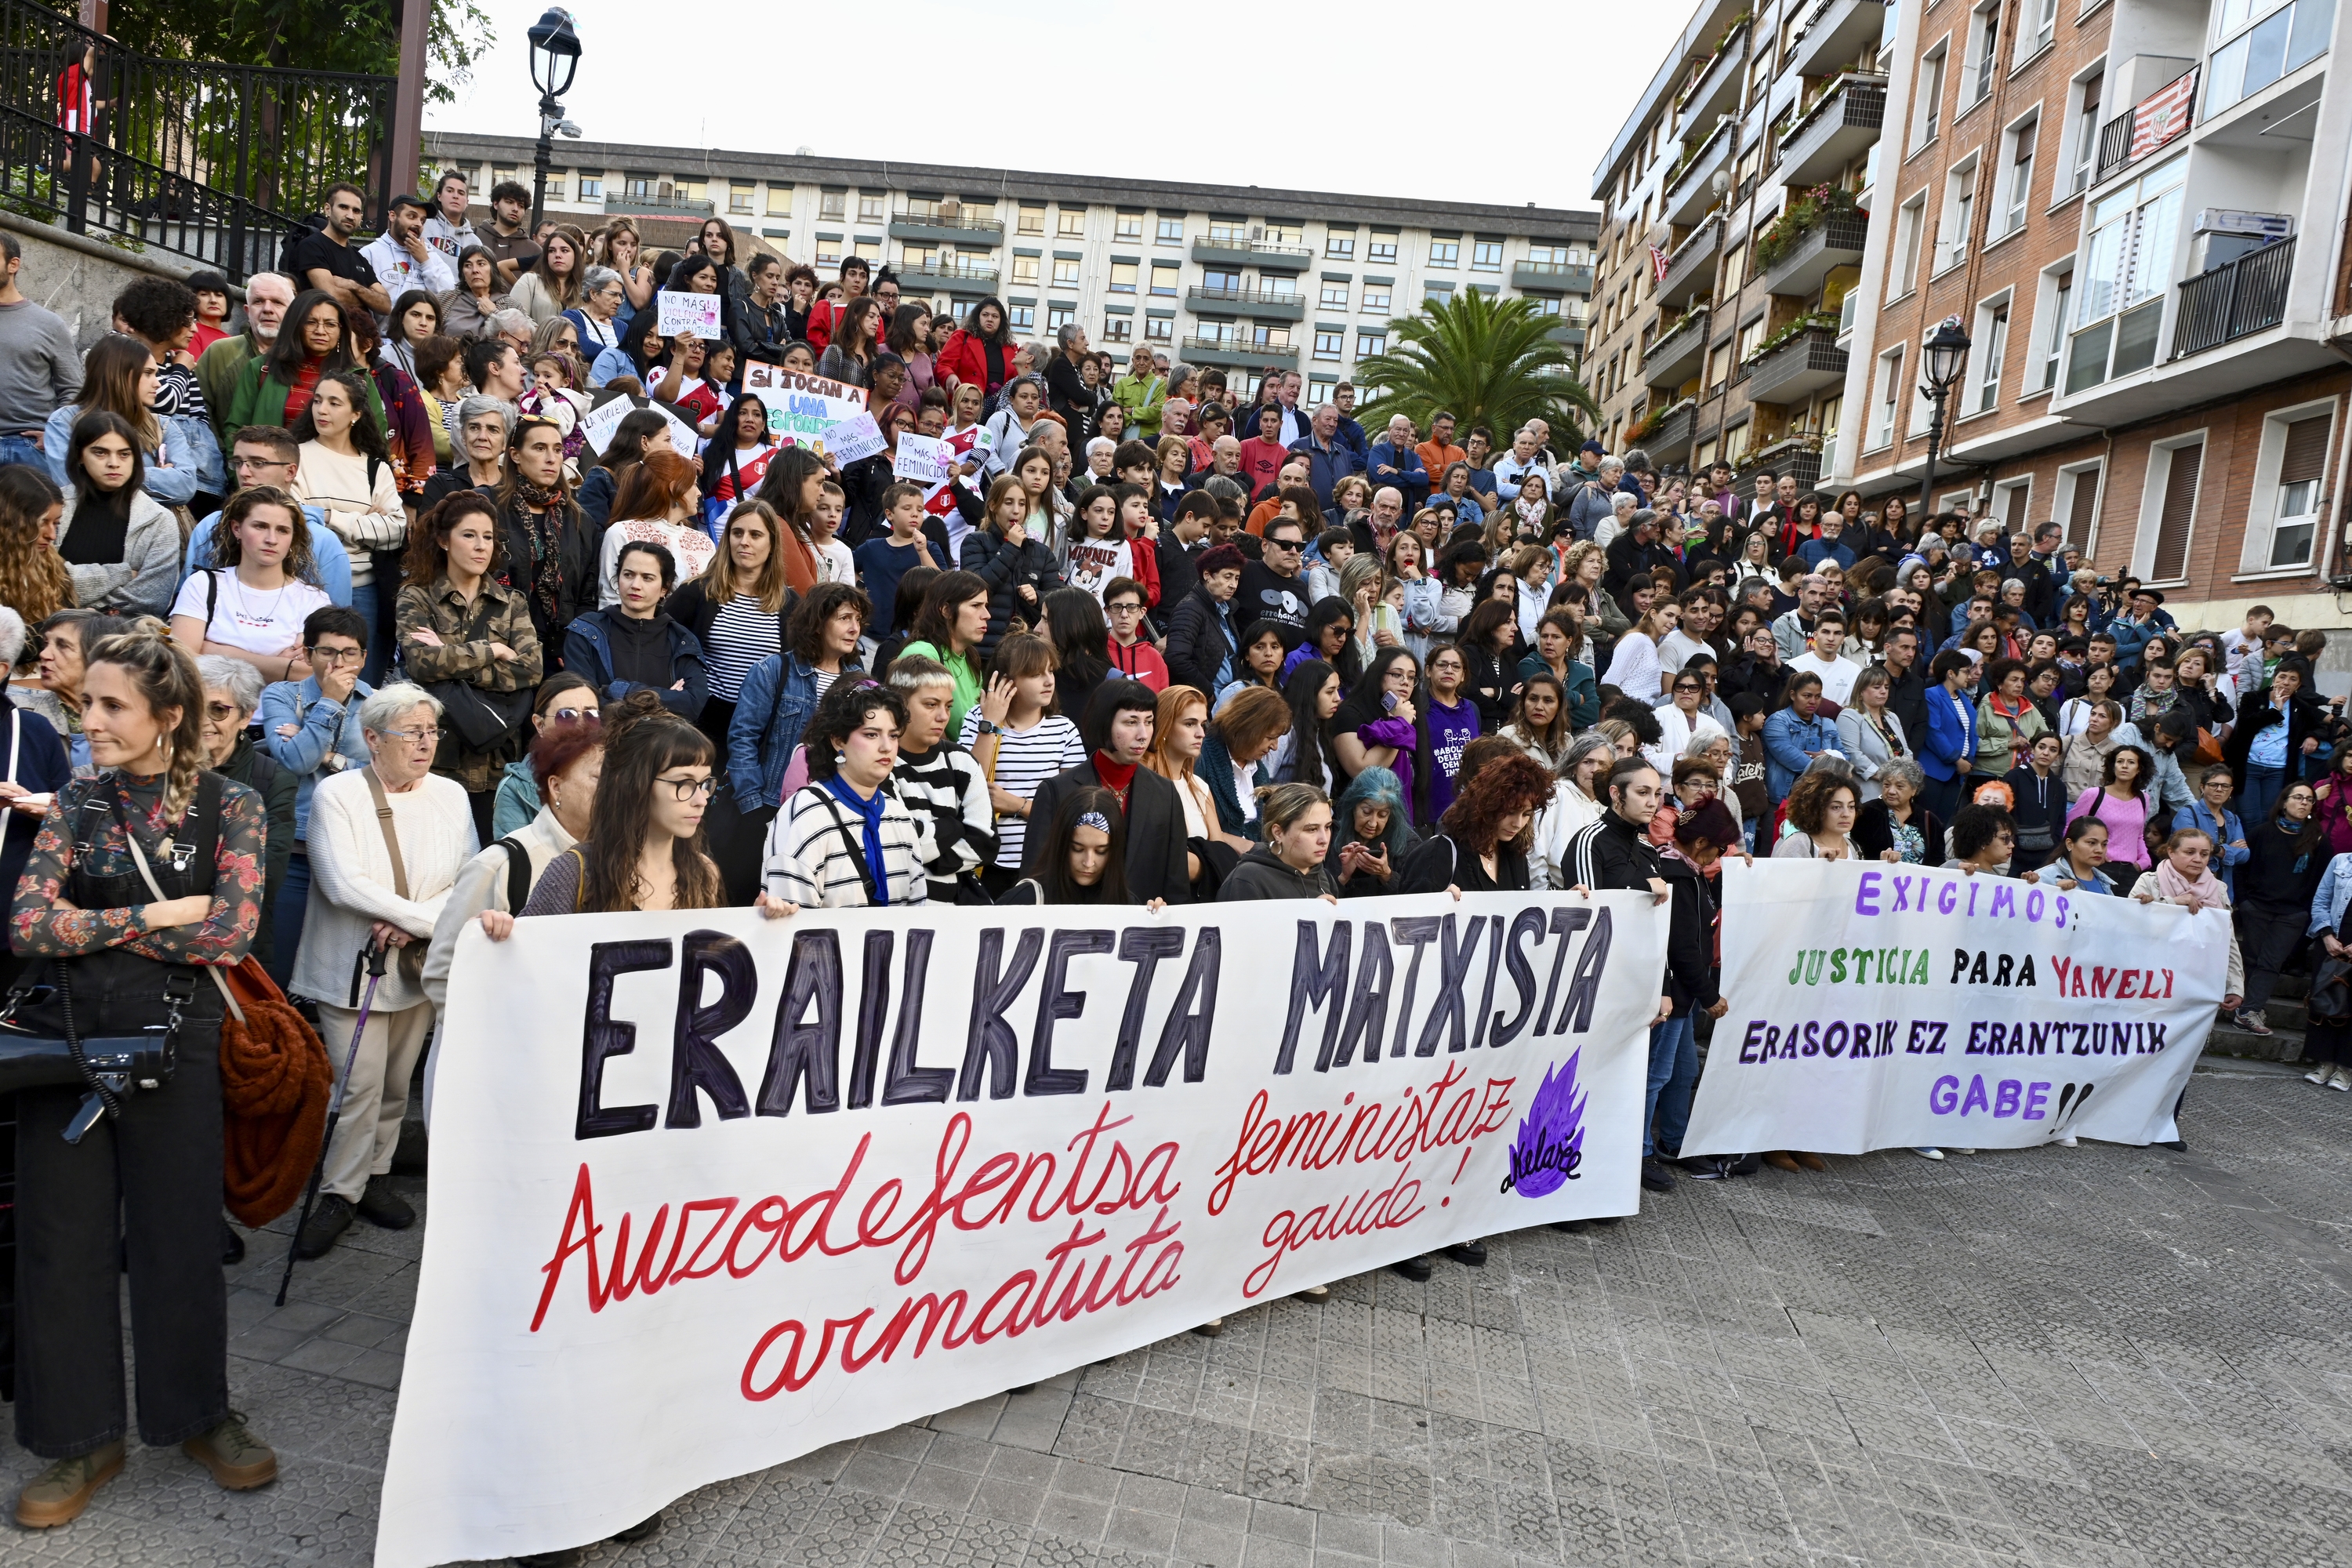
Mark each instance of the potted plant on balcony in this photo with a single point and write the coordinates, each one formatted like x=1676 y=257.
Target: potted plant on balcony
x=1806 y=211
x=1796 y=328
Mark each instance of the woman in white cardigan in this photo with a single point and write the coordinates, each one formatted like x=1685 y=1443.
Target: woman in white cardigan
x=363 y=892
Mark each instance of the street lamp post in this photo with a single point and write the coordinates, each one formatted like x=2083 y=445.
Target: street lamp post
x=554 y=58
x=1948 y=355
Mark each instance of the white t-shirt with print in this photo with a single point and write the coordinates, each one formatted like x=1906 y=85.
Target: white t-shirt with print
x=257 y=620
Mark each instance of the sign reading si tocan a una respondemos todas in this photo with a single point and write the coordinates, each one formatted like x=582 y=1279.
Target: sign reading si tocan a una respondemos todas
x=1876 y=1006
x=711 y=1192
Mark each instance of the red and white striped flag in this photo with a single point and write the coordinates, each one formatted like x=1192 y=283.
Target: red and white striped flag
x=1658 y=265
x=2163 y=115
x=941 y=501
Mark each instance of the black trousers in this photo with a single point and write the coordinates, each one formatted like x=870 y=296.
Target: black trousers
x=2266 y=941
x=153 y=1179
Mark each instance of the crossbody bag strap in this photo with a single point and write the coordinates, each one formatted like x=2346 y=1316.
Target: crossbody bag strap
x=207 y=837
x=391 y=839
x=857 y=851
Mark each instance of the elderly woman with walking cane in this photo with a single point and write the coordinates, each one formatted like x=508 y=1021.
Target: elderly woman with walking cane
x=386 y=842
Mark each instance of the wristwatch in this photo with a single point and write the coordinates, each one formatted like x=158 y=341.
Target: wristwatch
x=988 y=729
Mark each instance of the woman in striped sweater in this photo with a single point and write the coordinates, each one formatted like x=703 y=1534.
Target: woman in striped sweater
x=843 y=841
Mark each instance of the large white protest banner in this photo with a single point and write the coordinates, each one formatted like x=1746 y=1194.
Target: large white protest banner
x=711 y=1192
x=1876 y=1006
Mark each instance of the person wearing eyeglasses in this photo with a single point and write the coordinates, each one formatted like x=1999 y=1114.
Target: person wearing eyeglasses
x=268 y=455
x=232 y=690
x=311 y=729
x=1274 y=587
x=385 y=844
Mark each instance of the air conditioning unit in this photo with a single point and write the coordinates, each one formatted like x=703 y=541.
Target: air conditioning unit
x=2222 y=235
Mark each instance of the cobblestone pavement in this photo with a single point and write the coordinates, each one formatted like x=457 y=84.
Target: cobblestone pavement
x=2096 y=1356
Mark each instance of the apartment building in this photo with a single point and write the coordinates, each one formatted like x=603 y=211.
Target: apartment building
x=1734 y=218
x=2136 y=210
x=1237 y=277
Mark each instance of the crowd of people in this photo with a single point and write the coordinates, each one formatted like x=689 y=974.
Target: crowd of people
x=345 y=565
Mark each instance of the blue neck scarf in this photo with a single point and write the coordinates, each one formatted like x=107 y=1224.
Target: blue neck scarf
x=870 y=813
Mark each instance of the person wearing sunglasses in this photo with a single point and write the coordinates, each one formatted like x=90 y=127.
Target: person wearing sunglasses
x=564 y=698
x=1274 y=587
x=385 y=843
x=311 y=727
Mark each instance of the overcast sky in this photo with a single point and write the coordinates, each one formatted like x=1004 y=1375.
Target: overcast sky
x=1535 y=90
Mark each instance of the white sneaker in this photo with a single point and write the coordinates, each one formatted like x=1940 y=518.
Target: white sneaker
x=1963 y=1151
x=2067 y=1142
x=2320 y=1075
x=2343 y=1078
x=1928 y=1151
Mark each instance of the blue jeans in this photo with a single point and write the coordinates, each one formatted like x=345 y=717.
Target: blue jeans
x=2259 y=795
x=285 y=932
x=21 y=449
x=1673 y=1077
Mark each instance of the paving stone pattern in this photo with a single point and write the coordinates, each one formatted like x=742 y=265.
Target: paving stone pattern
x=2102 y=1356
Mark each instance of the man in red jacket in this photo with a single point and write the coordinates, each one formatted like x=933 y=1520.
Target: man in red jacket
x=826 y=313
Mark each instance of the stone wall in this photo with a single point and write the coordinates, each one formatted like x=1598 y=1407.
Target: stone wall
x=78 y=277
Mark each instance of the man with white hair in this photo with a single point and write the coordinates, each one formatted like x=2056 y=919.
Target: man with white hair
x=1522 y=459
x=385 y=843
x=1622 y=508
x=267 y=295
x=1589 y=502
x=1395 y=462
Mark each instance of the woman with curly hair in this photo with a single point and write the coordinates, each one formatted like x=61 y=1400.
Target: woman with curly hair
x=1822 y=807
x=1481 y=842
x=35 y=581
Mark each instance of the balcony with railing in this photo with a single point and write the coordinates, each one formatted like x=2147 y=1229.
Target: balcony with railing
x=1674 y=357
x=1690 y=188
x=1796 y=368
x=954 y=274
x=1238 y=353
x=1717 y=87
x=1837 y=34
x=2235 y=300
x=662 y=202
x=1235 y=251
x=956 y=228
x=2160 y=130
x=1797 y=457
x=1690 y=270
x=1842 y=125
x=1266 y=304
x=1552 y=276
x=1804 y=261
x=1668 y=436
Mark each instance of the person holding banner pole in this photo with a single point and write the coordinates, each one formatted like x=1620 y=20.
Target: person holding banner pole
x=2184 y=876
x=1705 y=834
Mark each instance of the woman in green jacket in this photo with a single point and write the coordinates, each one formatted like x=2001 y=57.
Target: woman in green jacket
x=1143 y=393
x=274 y=389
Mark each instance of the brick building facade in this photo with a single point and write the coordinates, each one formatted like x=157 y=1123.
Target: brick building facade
x=2136 y=209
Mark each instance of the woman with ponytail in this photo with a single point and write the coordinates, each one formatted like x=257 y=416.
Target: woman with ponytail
x=142 y=1186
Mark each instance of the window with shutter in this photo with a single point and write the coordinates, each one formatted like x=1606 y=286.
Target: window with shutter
x=2085 y=511
x=2012 y=514
x=2171 y=557
x=2294 y=516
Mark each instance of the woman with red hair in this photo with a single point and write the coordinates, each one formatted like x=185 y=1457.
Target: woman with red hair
x=656 y=504
x=1481 y=842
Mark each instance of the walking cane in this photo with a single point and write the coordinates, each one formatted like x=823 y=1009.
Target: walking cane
x=376 y=954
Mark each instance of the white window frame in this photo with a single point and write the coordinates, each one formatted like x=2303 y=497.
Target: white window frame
x=1956 y=222
x=2151 y=506
x=2145 y=230
x=1927 y=95
x=2262 y=510
x=2047 y=361
x=2002 y=490
x=2043 y=32
x=1983 y=64
x=1910 y=220
x=1995 y=325
x=2081 y=146
x=2017 y=174
x=1886 y=397
x=2070 y=478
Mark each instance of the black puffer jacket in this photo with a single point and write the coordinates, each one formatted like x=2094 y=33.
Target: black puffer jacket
x=1691 y=973
x=1199 y=643
x=1006 y=566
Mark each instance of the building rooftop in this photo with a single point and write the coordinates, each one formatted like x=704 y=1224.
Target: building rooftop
x=1013 y=184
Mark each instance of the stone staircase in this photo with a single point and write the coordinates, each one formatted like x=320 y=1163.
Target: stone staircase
x=2286 y=1017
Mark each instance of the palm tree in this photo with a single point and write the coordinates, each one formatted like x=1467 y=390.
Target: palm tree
x=1482 y=360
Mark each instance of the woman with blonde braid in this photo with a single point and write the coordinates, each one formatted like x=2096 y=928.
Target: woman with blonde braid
x=142 y=1186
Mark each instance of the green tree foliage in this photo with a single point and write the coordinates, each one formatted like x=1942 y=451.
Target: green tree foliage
x=1486 y=360
x=361 y=36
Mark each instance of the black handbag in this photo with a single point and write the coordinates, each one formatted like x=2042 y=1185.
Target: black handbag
x=482 y=719
x=2331 y=992
x=108 y=1022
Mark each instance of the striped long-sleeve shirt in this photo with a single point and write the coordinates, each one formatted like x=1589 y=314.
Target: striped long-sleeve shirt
x=816 y=854
x=955 y=825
